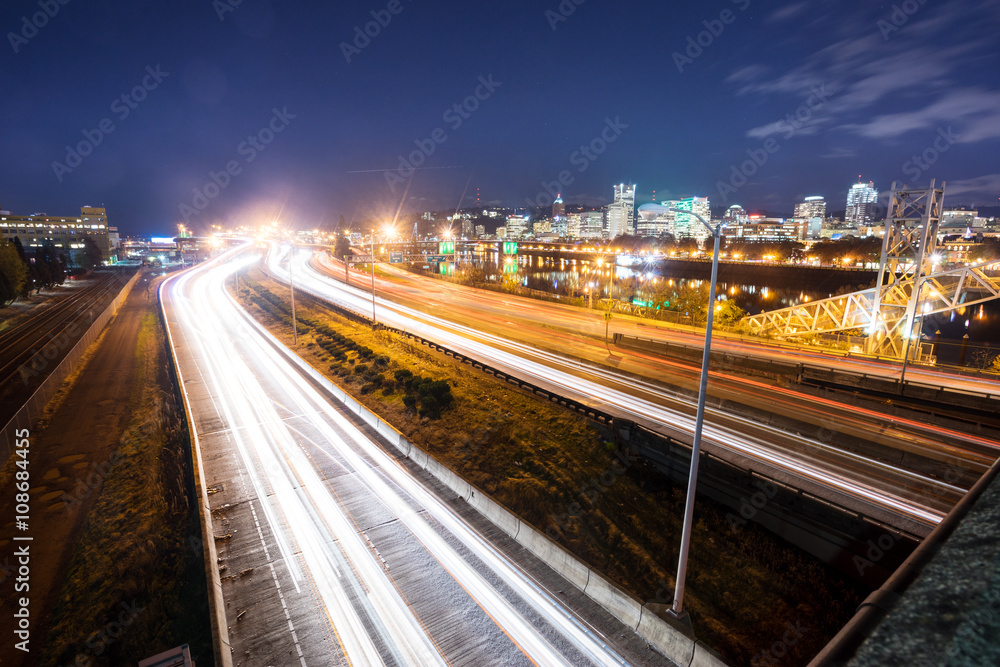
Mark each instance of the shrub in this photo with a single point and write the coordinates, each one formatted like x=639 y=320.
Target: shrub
x=402 y=375
x=410 y=401
x=381 y=360
x=434 y=396
x=361 y=368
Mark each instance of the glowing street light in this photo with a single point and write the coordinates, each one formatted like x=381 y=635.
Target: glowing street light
x=677 y=609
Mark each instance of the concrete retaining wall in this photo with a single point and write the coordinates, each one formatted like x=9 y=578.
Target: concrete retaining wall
x=216 y=604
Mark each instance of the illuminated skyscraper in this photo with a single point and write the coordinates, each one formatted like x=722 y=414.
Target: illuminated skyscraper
x=517 y=226
x=860 y=203
x=809 y=216
x=558 y=208
x=573 y=224
x=621 y=212
x=685 y=224
x=591 y=225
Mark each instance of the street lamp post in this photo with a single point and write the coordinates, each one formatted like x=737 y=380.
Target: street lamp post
x=291 y=285
x=374 y=321
x=677 y=609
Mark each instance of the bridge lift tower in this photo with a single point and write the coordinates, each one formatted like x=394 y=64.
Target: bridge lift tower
x=908 y=286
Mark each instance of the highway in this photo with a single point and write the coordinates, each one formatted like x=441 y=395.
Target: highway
x=491 y=326
x=577 y=320
x=333 y=551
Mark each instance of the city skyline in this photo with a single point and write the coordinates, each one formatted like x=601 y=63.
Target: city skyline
x=270 y=112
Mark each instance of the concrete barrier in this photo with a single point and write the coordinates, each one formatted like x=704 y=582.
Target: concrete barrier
x=447 y=477
x=623 y=606
x=221 y=646
x=390 y=434
x=706 y=657
x=417 y=455
x=673 y=638
x=553 y=555
x=504 y=519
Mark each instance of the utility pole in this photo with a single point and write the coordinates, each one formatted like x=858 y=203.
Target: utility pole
x=677 y=609
x=291 y=284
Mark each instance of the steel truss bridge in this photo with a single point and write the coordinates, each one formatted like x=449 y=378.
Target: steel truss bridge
x=908 y=286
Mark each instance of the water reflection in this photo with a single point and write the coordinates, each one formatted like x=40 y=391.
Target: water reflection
x=596 y=275
x=579 y=277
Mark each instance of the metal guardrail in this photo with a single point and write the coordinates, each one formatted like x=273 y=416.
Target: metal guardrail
x=33 y=407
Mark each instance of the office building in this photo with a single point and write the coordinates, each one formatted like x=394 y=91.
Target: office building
x=592 y=225
x=861 y=203
x=517 y=226
x=573 y=222
x=758 y=229
x=809 y=216
x=734 y=215
x=64 y=233
x=687 y=225
x=558 y=208
x=621 y=212
x=655 y=220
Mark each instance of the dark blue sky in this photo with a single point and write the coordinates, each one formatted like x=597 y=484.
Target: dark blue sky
x=884 y=86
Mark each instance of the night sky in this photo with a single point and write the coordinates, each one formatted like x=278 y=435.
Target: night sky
x=266 y=89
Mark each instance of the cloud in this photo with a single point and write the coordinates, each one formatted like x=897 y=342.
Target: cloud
x=840 y=152
x=988 y=186
x=787 y=12
x=975 y=111
x=885 y=88
x=789 y=128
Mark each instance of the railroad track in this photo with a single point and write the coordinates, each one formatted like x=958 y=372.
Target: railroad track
x=49 y=333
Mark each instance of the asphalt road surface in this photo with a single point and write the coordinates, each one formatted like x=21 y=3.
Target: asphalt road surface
x=332 y=550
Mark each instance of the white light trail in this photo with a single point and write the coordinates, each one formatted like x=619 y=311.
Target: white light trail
x=248 y=369
x=468 y=341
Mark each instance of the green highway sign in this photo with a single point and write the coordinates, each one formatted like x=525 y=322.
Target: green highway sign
x=395 y=258
x=510 y=247
x=436 y=258
x=446 y=247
